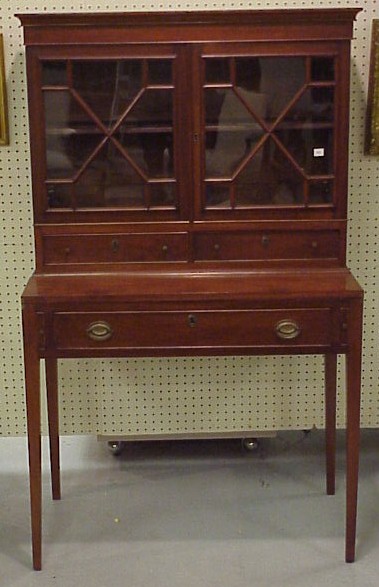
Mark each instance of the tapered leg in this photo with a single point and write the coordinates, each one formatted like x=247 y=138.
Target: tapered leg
x=32 y=386
x=353 y=384
x=330 y=421
x=51 y=366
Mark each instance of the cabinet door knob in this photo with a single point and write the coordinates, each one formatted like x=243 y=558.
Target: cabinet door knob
x=287 y=329
x=192 y=320
x=99 y=331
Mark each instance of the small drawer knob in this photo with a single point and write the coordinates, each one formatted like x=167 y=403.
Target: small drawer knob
x=99 y=331
x=164 y=248
x=265 y=240
x=216 y=247
x=314 y=245
x=287 y=329
x=67 y=251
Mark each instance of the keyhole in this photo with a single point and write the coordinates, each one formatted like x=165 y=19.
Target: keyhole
x=192 y=320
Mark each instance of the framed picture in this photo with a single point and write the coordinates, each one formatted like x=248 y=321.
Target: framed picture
x=372 y=121
x=4 y=137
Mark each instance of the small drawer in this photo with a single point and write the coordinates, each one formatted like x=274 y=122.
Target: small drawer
x=218 y=329
x=114 y=248
x=270 y=245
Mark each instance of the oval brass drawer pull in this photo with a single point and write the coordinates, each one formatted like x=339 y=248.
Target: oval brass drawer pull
x=99 y=331
x=287 y=329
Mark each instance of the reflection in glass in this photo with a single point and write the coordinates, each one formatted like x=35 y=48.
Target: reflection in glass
x=162 y=195
x=217 y=195
x=320 y=192
x=160 y=71
x=108 y=182
x=281 y=79
x=54 y=73
x=59 y=195
x=217 y=71
x=322 y=69
x=154 y=108
x=269 y=179
x=232 y=129
x=312 y=149
x=108 y=87
x=151 y=151
x=71 y=135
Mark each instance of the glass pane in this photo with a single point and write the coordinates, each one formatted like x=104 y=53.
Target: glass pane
x=162 y=195
x=281 y=78
x=322 y=69
x=217 y=195
x=59 y=196
x=154 y=108
x=71 y=135
x=315 y=105
x=232 y=129
x=226 y=107
x=312 y=149
x=229 y=150
x=109 y=182
x=151 y=151
x=108 y=87
x=249 y=73
x=269 y=179
x=54 y=73
x=307 y=131
x=160 y=71
x=321 y=192
x=217 y=71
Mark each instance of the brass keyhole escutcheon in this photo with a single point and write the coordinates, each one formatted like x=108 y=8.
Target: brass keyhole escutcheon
x=192 y=320
x=99 y=331
x=287 y=329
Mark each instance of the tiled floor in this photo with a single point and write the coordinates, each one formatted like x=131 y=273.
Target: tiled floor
x=184 y=514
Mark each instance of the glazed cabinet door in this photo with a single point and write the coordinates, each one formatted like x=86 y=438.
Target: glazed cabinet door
x=269 y=129
x=108 y=126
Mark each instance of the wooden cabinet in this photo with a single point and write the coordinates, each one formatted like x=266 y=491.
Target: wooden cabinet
x=189 y=175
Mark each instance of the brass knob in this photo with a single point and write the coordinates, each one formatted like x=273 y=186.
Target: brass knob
x=164 y=248
x=287 y=329
x=99 y=331
x=67 y=251
x=192 y=320
x=216 y=247
x=265 y=240
x=314 y=244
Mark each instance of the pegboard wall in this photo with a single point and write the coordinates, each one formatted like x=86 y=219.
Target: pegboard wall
x=180 y=395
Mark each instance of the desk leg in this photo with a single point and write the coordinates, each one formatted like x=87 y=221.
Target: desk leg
x=51 y=366
x=353 y=384
x=330 y=421
x=33 y=409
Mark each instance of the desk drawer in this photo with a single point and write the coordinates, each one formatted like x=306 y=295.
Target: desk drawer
x=270 y=245
x=114 y=248
x=198 y=329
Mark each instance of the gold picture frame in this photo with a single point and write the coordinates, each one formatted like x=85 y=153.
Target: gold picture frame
x=372 y=120
x=4 y=136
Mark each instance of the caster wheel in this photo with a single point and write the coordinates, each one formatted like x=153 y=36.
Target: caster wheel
x=116 y=447
x=250 y=444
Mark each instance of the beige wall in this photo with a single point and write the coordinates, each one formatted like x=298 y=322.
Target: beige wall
x=149 y=396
